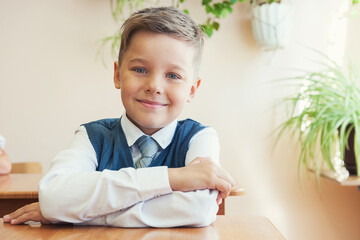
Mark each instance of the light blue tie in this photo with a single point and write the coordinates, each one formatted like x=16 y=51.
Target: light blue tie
x=148 y=148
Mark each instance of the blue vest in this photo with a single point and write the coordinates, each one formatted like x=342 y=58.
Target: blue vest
x=112 y=151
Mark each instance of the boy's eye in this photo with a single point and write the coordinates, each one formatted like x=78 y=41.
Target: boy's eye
x=173 y=76
x=139 y=70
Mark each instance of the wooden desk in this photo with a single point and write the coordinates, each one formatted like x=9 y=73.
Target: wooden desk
x=17 y=190
x=225 y=228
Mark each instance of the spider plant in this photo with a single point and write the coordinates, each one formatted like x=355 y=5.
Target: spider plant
x=323 y=112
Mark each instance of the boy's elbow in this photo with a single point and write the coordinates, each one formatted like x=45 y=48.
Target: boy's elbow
x=206 y=210
x=204 y=219
x=53 y=207
x=55 y=211
x=48 y=205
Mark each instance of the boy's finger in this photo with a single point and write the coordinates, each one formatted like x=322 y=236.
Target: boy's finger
x=195 y=161
x=223 y=187
x=223 y=174
x=13 y=215
x=198 y=160
x=23 y=218
x=219 y=199
x=6 y=218
x=219 y=171
x=225 y=194
x=19 y=212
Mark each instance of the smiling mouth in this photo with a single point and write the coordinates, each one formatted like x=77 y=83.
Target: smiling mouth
x=151 y=104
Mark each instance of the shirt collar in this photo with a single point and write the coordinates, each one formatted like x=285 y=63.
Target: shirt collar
x=163 y=137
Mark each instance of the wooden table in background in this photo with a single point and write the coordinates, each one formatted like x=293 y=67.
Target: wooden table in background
x=224 y=228
x=17 y=190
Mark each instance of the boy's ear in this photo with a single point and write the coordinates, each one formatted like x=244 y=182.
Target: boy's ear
x=193 y=89
x=116 y=75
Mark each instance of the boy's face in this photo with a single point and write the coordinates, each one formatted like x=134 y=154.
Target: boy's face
x=156 y=78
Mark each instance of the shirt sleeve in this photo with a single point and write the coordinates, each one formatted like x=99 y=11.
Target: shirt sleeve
x=204 y=144
x=73 y=191
x=128 y=197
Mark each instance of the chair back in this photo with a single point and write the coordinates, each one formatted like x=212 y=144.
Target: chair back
x=234 y=192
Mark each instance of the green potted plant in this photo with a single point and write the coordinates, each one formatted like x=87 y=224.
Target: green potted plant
x=325 y=115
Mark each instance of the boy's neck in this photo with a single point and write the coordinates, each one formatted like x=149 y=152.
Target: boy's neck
x=163 y=136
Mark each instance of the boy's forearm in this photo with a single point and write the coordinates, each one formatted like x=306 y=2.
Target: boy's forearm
x=194 y=209
x=86 y=195
x=174 y=181
x=185 y=179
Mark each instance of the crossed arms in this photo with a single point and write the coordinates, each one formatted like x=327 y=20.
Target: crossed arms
x=72 y=191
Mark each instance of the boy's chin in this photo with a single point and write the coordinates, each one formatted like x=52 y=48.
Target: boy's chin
x=150 y=128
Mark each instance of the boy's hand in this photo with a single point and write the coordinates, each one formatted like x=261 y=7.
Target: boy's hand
x=201 y=173
x=30 y=212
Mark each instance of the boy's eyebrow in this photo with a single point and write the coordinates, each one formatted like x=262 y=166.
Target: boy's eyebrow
x=138 y=60
x=174 y=66
x=144 y=61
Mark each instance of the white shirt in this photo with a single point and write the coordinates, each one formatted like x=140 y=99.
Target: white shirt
x=73 y=191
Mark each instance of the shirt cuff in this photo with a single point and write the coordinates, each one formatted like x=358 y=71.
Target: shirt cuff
x=153 y=182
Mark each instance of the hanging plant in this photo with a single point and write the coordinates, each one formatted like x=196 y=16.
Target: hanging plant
x=119 y=16
x=271 y=23
x=214 y=10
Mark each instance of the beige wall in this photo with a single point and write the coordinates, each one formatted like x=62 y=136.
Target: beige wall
x=50 y=82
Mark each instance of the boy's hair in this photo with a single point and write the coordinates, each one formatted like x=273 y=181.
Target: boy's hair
x=167 y=20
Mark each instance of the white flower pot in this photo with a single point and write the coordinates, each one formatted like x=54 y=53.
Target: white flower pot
x=272 y=25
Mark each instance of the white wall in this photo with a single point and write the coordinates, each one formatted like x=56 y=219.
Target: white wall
x=50 y=82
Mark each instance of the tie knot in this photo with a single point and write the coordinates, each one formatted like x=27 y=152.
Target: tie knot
x=147 y=146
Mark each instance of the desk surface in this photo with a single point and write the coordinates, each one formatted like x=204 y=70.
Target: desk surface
x=19 y=186
x=225 y=228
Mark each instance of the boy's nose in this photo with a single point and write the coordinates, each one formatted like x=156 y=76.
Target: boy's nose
x=154 y=85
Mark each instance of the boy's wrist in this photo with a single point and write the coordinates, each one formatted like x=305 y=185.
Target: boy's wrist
x=172 y=173
x=177 y=179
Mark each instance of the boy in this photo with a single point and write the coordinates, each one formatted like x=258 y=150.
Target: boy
x=151 y=170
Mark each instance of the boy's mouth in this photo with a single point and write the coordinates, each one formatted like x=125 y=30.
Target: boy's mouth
x=151 y=104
